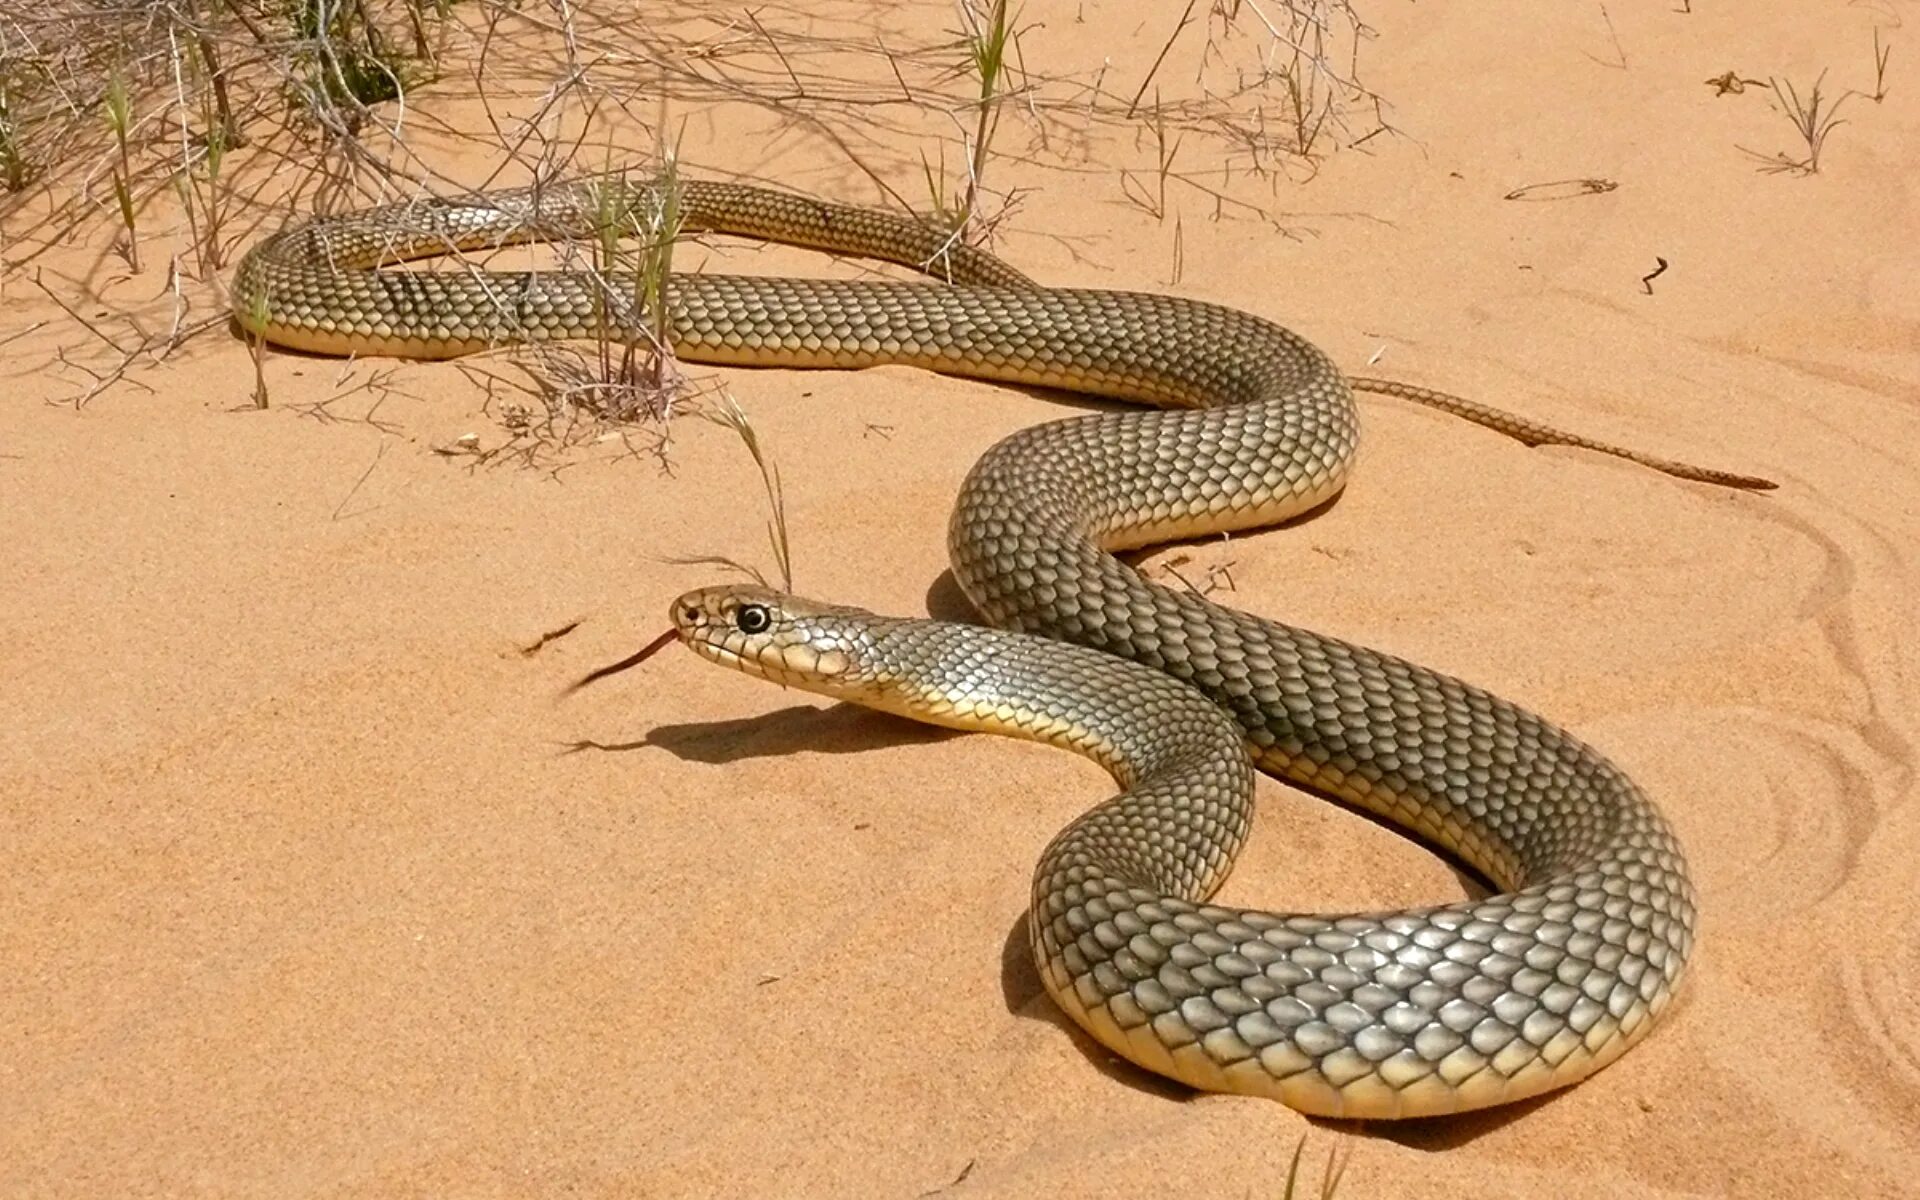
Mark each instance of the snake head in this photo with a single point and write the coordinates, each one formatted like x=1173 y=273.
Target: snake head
x=783 y=638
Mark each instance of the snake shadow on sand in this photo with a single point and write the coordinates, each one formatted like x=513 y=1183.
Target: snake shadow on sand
x=800 y=728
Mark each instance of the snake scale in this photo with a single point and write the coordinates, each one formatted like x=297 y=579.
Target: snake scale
x=1386 y=1014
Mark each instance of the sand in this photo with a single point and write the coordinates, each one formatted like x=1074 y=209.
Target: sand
x=313 y=886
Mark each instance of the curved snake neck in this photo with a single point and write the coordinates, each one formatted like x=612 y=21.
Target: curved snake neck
x=1391 y=1014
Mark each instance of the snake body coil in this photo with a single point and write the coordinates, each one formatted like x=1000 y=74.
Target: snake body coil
x=1390 y=1014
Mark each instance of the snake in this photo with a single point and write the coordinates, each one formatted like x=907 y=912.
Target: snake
x=1582 y=937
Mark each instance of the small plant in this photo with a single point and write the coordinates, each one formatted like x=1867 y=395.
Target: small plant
x=950 y=213
x=257 y=343
x=220 y=122
x=423 y=49
x=633 y=287
x=987 y=37
x=1309 y=101
x=198 y=84
x=1308 y=112
x=735 y=418
x=1880 y=53
x=612 y=203
x=350 y=62
x=1186 y=18
x=1154 y=201
x=660 y=229
x=1329 y=1177
x=1313 y=52
x=13 y=162
x=1813 y=117
x=211 y=209
x=118 y=107
x=211 y=255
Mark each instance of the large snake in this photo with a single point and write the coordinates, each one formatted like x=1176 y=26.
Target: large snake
x=1386 y=1014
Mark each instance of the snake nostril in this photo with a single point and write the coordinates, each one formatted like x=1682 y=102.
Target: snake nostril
x=691 y=614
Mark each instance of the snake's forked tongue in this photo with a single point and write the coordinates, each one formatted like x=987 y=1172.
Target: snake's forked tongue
x=632 y=660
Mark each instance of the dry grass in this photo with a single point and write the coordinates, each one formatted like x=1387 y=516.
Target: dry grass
x=1882 y=51
x=172 y=132
x=1330 y=1175
x=779 y=538
x=1814 y=117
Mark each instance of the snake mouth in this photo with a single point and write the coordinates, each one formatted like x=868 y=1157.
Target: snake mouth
x=719 y=652
x=768 y=663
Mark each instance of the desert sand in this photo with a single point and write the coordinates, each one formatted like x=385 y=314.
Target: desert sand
x=314 y=885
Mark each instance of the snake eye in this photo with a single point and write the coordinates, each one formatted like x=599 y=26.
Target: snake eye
x=752 y=618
